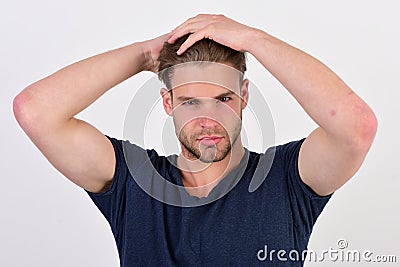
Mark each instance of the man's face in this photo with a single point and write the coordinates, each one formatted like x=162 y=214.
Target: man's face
x=207 y=116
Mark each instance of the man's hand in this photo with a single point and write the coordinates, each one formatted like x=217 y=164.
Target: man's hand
x=219 y=28
x=151 y=51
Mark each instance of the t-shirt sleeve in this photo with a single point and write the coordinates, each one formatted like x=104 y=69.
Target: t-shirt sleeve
x=111 y=202
x=306 y=204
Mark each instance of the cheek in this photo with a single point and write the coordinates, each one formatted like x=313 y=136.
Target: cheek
x=183 y=125
x=182 y=120
x=237 y=107
x=183 y=114
x=229 y=114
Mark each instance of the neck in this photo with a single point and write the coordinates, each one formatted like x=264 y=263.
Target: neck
x=200 y=178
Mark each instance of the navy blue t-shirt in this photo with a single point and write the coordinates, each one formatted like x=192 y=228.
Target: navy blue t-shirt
x=240 y=228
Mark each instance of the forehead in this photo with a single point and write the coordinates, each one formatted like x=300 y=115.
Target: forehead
x=205 y=77
x=202 y=90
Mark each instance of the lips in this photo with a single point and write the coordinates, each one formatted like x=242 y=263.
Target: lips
x=210 y=140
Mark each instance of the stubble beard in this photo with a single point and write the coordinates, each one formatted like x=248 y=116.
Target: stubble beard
x=206 y=153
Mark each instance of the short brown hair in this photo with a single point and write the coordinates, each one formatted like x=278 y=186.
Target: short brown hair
x=203 y=50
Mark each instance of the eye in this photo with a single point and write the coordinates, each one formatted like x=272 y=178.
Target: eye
x=224 y=99
x=190 y=102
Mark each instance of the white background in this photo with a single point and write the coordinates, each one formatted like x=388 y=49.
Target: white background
x=48 y=221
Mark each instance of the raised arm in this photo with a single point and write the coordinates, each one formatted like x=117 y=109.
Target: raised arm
x=45 y=110
x=334 y=151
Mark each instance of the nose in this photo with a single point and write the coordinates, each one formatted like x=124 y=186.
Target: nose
x=207 y=122
x=208 y=114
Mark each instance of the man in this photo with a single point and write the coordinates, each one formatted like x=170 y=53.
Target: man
x=235 y=228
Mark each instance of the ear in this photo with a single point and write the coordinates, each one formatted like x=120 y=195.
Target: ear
x=244 y=92
x=167 y=100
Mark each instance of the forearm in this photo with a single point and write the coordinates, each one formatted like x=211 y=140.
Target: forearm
x=70 y=90
x=322 y=94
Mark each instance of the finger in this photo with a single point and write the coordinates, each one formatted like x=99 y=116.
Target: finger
x=193 y=24
x=198 y=17
x=181 y=31
x=183 y=24
x=189 y=27
x=193 y=38
x=164 y=37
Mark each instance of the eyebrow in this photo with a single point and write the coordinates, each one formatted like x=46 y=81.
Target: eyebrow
x=185 y=98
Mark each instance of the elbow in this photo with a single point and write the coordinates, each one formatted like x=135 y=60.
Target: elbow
x=19 y=107
x=24 y=108
x=370 y=127
x=365 y=135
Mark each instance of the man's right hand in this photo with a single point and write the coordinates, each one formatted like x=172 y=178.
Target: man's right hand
x=46 y=109
x=151 y=51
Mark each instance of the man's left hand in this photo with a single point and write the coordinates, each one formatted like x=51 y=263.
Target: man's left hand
x=219 y=28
